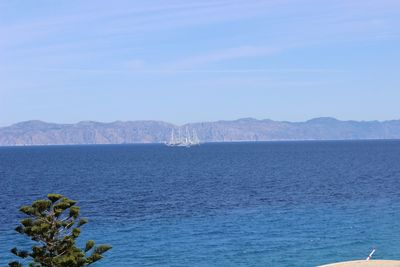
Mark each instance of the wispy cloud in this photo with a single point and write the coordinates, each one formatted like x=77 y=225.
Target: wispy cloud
x=137 y=70
x=75 y=39
x=97 y=22
x=223 y=55
x=103 y=19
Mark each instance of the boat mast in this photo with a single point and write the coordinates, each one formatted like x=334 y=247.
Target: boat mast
x=172 y=141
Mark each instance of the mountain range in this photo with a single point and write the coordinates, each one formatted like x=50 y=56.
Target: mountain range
x=247 y=129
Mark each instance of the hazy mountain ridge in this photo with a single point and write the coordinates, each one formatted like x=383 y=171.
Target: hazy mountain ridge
x=246 y=129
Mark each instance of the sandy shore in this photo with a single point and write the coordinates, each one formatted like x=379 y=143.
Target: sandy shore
x=364 y=263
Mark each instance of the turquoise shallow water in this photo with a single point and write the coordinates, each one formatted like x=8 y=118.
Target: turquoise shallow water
x=245 y=204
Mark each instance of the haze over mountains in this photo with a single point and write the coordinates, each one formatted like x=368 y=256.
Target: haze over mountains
x=247 y=129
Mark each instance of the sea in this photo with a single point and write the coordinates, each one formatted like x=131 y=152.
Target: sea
x=220 y=204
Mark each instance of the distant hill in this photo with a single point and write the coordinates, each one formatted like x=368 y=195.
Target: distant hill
x=247 y=129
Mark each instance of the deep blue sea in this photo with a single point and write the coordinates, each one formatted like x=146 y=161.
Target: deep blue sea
x=227 y=204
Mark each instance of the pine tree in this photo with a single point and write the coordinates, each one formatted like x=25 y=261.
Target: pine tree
x=54 y=225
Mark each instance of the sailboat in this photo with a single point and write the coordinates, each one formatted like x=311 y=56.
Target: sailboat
x=185 y=140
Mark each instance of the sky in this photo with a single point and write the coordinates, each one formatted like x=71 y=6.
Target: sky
x=188 y=61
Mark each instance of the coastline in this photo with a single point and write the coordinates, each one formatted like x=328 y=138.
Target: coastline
x=365 y=263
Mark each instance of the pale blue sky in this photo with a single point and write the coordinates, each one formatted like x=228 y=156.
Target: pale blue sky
x=181 y=61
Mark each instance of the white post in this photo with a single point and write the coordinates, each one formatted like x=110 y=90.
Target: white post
x=370 y=255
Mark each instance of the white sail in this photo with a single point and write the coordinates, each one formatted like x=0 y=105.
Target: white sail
x=172 y=139
x=195 y=139
x=172 y=136
x=187 y=135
